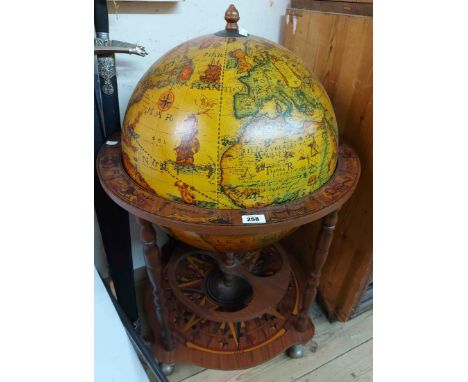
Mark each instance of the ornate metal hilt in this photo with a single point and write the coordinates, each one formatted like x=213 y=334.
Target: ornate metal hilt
x=105 y=49
x=105 y=46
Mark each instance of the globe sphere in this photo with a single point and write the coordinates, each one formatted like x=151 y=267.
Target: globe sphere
x=226 y=122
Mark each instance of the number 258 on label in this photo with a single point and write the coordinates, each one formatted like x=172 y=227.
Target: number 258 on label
x=253 y=219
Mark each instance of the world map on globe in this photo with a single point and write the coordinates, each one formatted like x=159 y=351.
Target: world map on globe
x=227 y=123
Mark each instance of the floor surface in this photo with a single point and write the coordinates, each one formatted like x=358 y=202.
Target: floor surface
x=339 y=352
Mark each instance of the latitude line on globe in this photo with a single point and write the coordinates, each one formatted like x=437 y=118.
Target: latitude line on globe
x=175 y=177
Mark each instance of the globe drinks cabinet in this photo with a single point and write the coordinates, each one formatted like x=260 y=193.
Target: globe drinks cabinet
x=229 y=143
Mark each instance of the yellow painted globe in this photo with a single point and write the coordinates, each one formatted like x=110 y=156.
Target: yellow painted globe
x=228 y=122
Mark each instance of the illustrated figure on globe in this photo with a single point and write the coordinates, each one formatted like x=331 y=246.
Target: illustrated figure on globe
x=189 y=143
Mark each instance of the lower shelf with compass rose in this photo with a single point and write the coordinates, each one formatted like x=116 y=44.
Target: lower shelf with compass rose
x=218 y=314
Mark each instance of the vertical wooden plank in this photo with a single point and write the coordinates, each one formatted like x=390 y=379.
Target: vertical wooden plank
x=338 y=49
x=319 y=29
x=350 y=260
x=298 y=29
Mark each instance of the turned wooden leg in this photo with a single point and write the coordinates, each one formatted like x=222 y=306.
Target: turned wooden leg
x=154 y=269
x=320 y=255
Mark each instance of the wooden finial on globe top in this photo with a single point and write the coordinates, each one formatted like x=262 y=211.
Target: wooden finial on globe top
x=232 y=17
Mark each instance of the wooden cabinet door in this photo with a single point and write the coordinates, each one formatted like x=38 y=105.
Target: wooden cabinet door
x=338 y=48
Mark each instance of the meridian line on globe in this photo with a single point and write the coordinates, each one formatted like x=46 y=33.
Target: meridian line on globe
x=219 y=123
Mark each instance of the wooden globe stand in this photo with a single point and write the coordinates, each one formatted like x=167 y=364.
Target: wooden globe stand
x=228 y=310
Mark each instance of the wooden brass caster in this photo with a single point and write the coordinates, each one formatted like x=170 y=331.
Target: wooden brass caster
x=167 y=368
x=296 y=351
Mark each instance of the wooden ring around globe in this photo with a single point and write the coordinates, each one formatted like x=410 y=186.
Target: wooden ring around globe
x=267 y=291
x=123 y=190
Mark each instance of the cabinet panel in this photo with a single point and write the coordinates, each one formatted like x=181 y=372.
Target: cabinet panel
x=338 y=48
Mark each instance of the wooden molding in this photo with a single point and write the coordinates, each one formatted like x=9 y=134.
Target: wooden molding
x=339 y=7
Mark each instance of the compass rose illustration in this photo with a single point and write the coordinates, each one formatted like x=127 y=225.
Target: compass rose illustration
x=165 y=101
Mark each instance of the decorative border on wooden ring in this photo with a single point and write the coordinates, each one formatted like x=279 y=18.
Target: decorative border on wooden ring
x=129 y=195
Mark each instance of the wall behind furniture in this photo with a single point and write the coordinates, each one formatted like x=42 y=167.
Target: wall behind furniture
x=115 y=359
x=160 y=27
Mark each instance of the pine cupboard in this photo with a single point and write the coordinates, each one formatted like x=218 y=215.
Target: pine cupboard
x=334 y=38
